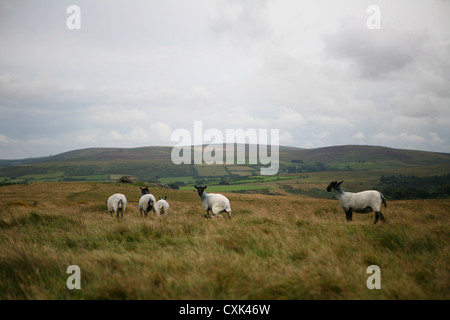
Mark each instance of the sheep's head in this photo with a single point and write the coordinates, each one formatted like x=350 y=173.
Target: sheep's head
x=200 y=190
x=334 y=185
x=145 y=190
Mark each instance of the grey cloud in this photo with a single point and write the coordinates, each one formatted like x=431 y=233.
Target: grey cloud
x=376 y=53
x=319 y=76
x=242 y=20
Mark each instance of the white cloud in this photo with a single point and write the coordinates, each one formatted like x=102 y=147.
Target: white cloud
x=412 y=123
x=161 y=133
x=401 y=140
x=288 y=118
x=242 y=20
x=117 y=116
x=358 y=136
x=17 y=87
x=330 y=121
x=435 y=139
x=287 y=139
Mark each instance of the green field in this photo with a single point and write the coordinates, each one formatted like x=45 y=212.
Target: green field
x=274 y=247
x=211 y=170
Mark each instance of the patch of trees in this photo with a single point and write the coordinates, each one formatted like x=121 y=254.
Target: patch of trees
x=298 y=166
x=10 y=183
x=408 y=187
x=176 y=184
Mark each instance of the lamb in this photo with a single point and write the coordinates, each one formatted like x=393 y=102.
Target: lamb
x=361 y=202
x=146 y=202
x=216 y=203
x=162 y=206
x=117 y=203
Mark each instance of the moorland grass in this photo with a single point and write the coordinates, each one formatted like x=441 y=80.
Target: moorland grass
x=274 y=247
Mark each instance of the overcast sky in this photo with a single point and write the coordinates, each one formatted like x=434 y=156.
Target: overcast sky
x=138 y=70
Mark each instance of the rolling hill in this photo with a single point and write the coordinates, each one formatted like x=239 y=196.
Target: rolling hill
x=300 y=170
x=327 y=155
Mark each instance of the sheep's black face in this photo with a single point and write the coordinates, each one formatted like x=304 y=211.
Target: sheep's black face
x=331 y=186
x=145 y=190
x=200 y=190
x=334 y=185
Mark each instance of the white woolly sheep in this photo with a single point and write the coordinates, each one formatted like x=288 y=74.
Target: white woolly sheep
x=361 y=202
x=117 y=203
x=216 y=203
x=146 y=202
x=162 y=206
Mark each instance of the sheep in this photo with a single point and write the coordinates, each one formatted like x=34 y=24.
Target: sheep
x=146 y=202
x=117 y=203
x=217 y=203
x=162 y=206
x=361 y=202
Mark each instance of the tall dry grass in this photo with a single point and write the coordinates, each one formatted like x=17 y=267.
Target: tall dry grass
x=273 y=248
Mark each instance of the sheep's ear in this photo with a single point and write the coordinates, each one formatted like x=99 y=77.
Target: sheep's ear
x=195 y=187
x=205 y=187
x=165 y=197
x=340 y=183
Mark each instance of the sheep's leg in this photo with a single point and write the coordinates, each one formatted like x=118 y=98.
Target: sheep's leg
x=349 y=214
x=377 y=217
x=380 y=216
x=215 y=214
x=207 y=213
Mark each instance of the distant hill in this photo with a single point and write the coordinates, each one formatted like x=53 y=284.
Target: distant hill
x=154 y=163
x=358 y=153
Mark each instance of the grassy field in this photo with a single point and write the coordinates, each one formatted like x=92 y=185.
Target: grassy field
x=274 y=247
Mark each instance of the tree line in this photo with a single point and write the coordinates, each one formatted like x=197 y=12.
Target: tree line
x=408 y=187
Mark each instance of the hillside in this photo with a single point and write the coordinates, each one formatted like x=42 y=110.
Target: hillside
x=301 y=171
x=328 y=155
